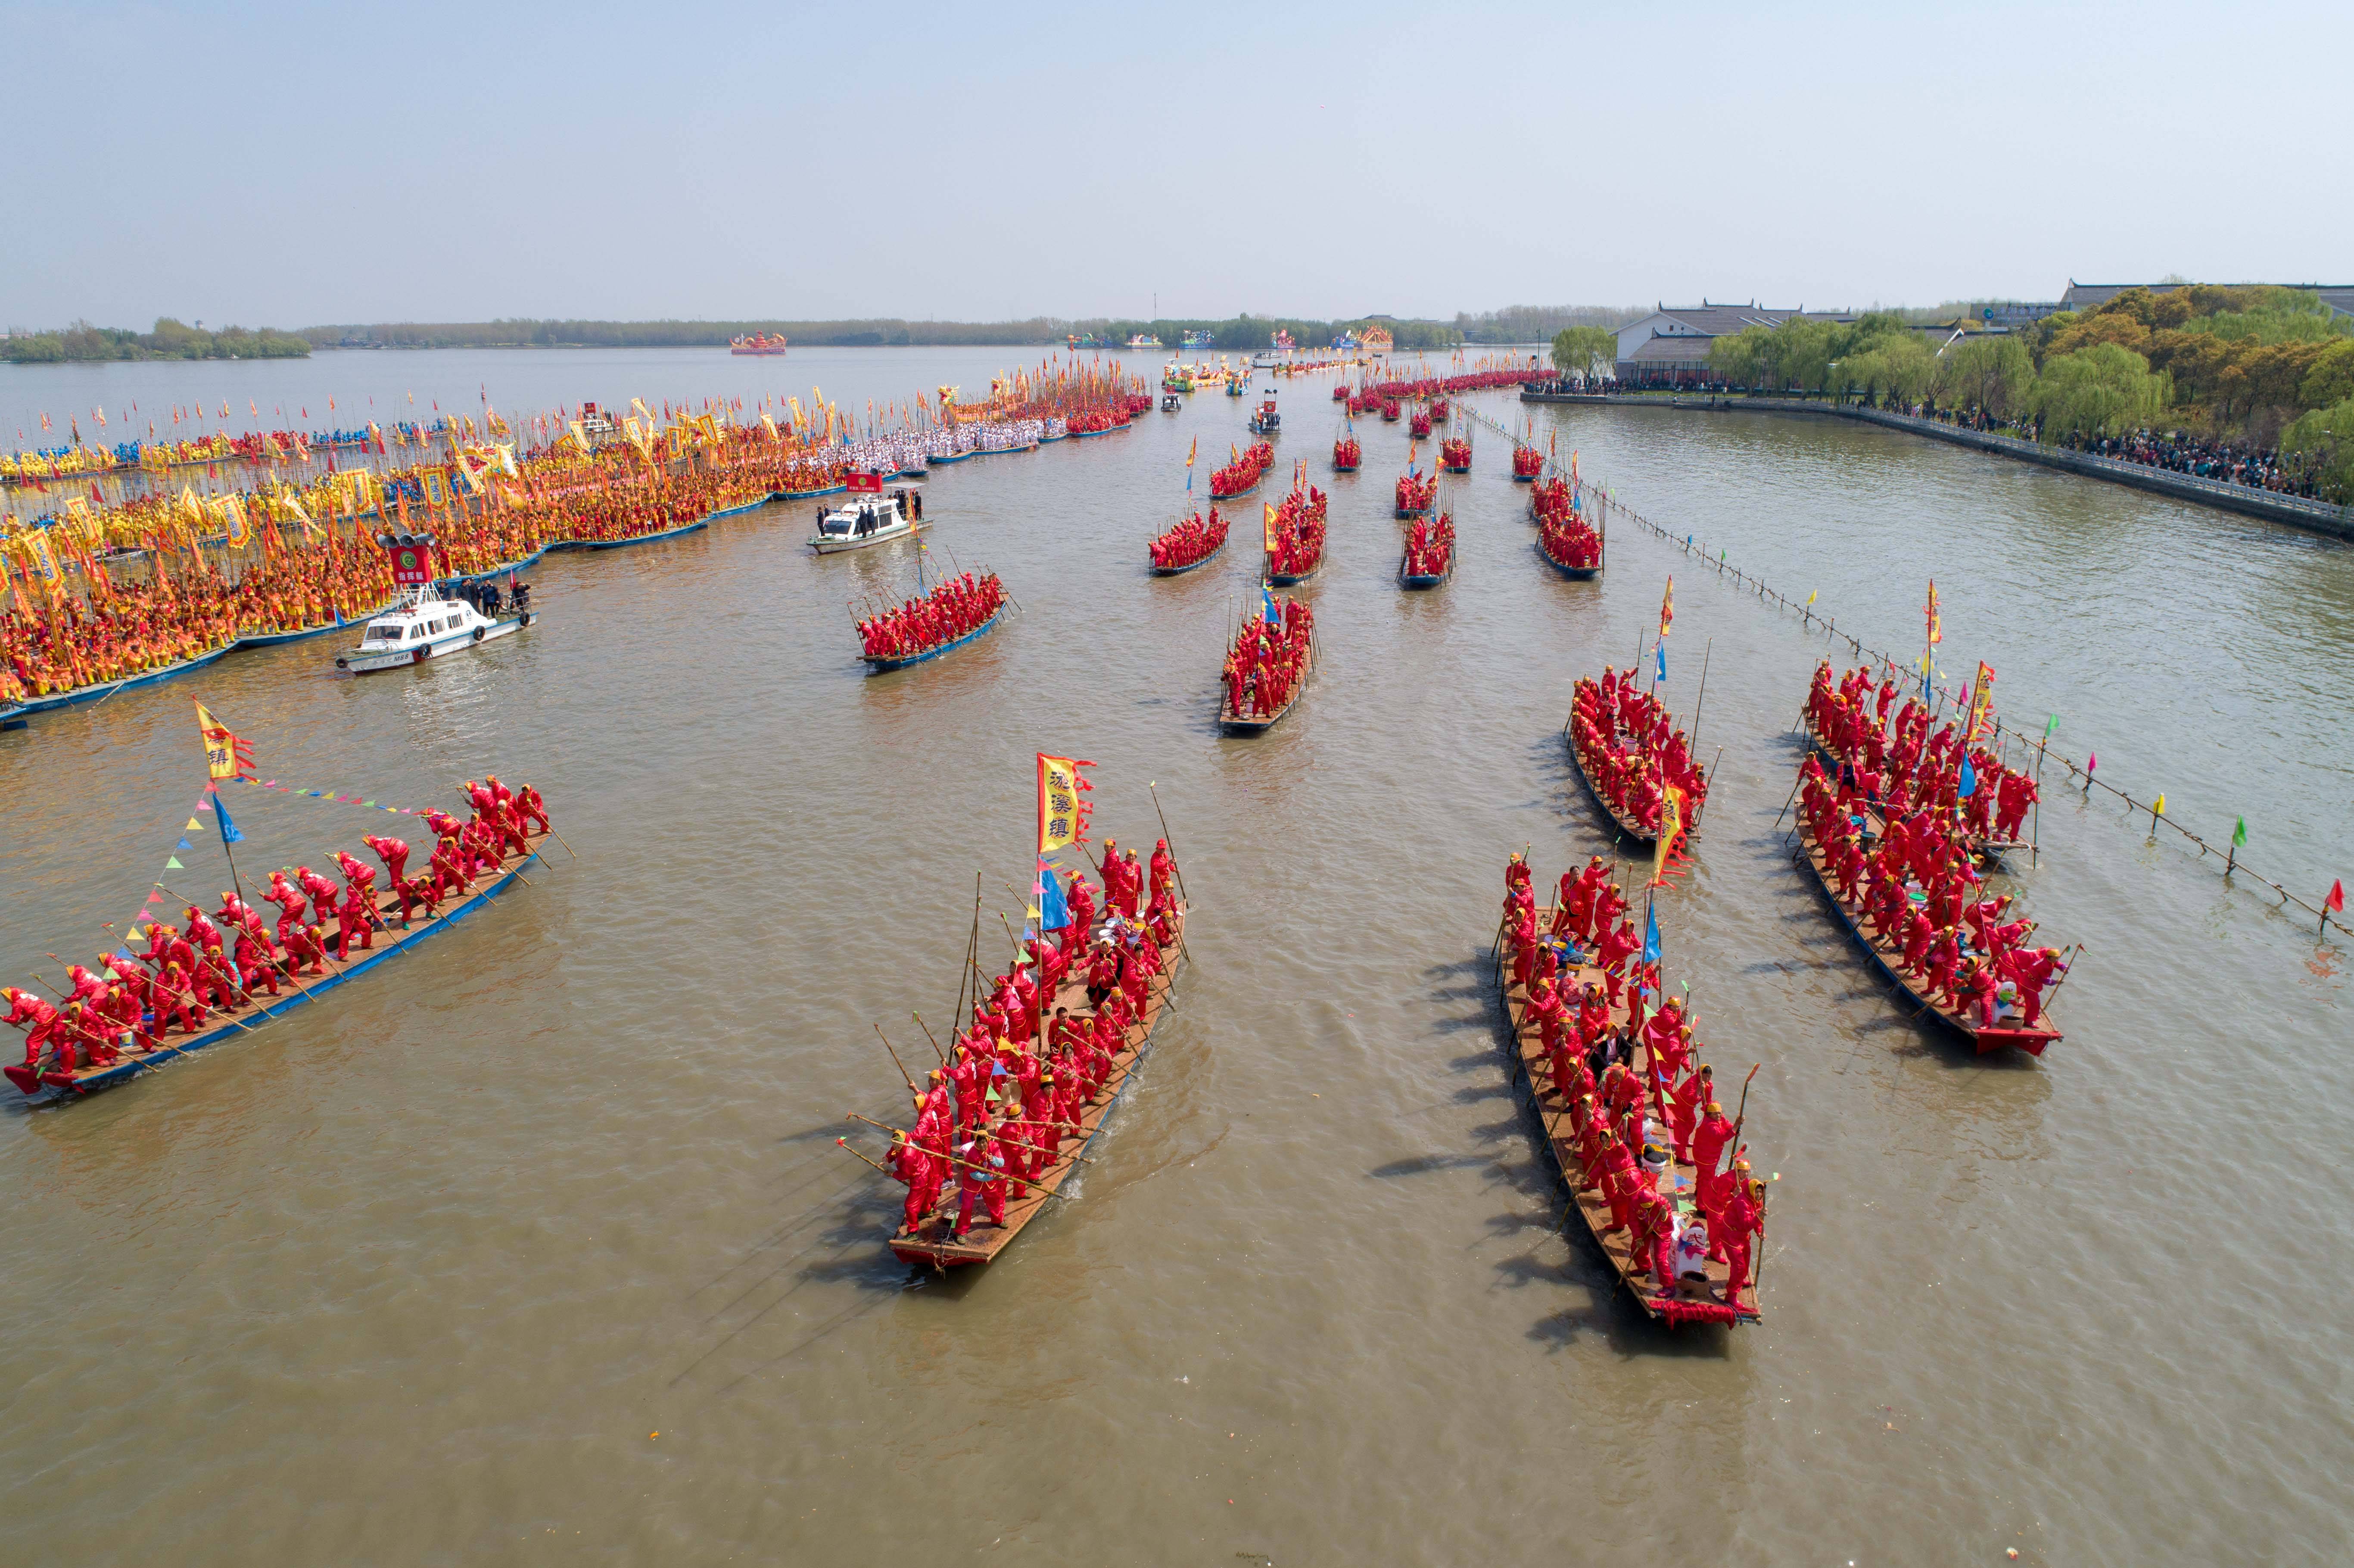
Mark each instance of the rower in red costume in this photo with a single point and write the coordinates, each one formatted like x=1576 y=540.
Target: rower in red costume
x=394 y=852
x=981 y=1175
x=1683 y=1108
x=202 y=932
x=173 y=994
x=1743 y=1225
x=1708 y=1141
x=1654 y=1235
x=533 y=809
x=320 y=892
x=289 y=899
x=303 y=944
x=913 y=1167
x=37 y=1017
x=254 y=965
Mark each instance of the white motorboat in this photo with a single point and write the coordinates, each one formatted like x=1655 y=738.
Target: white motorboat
x=425 y=626
x=870 y=516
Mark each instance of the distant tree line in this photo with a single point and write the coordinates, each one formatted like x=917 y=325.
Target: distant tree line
x=1539 y=323
x=169 y=340
x=1245 y=332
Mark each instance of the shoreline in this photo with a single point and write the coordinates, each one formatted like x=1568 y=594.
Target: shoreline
x=2297 y=512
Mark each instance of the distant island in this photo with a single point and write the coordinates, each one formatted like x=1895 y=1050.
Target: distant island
x=169 y=340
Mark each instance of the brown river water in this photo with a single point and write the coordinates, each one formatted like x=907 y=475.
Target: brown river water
x=534 y=1246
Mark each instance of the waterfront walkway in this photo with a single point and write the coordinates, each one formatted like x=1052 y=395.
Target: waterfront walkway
x=2298 y=512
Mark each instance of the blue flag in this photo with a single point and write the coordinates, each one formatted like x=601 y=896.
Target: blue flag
x=230 y=836
x=1272 y=616
x=1970 y=781
x=1662 y=649
x=1054 y=910
x=1651 y=937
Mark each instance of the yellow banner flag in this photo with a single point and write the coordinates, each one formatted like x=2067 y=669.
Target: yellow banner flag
x=1671 y=828
x=225 y=756
x=1062 y=815
x=41 y=558
x=1268 y=522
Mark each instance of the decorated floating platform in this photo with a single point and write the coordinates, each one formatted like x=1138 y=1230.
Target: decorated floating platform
x=1678 y=1183
x=985 y=1241
x=242 y=1019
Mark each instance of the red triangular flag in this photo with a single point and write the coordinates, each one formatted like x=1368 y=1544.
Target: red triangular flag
x=2335 y=902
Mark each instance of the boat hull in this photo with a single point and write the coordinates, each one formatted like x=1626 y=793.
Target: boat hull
x=835 y=543
x=941 y=1250
x=1574 y=574
x=694 y=527
x=1889 y=965
x=441 y=647
x=1194 y=566
x=1628 y=827
x=1230 y=722
x=486 y=887
x=1678 y=1183
x=879 y=665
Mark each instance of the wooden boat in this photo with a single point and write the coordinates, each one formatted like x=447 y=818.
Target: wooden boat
x=1628 y=827
x=1576 y=574
x=1987 y=851
x=1676 y=1183
x=1889 y=958
x=882 y=664
x=696 y=526
x=100 y=689
x=1424 y=580
x=936 y=458
x=1194 y=566
x=1230 y=722
x=1291 y=579
x=239 y=1019
x=933 y=1243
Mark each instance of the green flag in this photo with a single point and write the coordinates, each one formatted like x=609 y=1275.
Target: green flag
x=2239 y=834
x=2049 y=724
x=172 y=863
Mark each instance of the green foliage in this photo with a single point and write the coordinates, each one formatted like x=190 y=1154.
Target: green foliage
x=2325 y=438
x=169 y=340
x=1584 y=350
x=2331 y=379
x=2102 y=391
x=1988 y=373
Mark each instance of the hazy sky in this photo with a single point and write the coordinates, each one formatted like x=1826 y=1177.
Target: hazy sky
x=293 y=165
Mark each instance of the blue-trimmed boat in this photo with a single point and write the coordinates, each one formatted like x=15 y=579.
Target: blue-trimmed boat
x=1194 y=566
x=99 y=689
x=1107 y=430
x=1417 y=580
x=882 y=664
x=56 y=1086
x=938 y=457
x=695 y=526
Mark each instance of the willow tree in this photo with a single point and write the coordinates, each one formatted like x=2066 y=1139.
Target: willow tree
x=1988 y=373
x=2103 y=390
x=2322 y=441
x=1587 y=352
